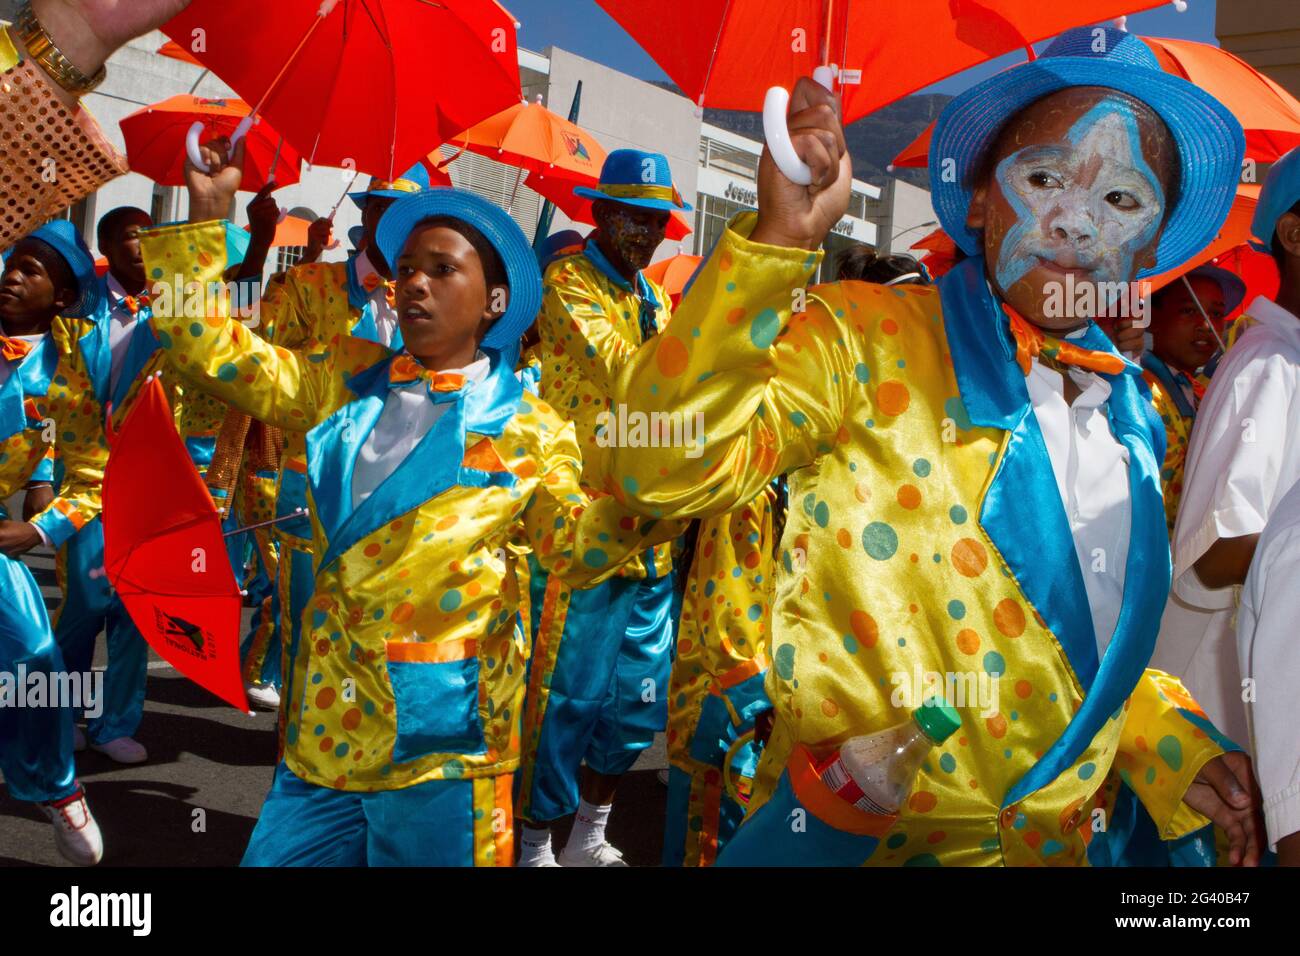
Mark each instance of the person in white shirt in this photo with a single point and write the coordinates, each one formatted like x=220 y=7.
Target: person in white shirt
x=1243 y=455
x=1270 y=658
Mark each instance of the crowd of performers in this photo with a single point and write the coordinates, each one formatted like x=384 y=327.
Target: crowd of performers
x=486 y=595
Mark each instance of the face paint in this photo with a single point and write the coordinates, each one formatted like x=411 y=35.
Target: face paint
x=635 y=238
x=1086 y=206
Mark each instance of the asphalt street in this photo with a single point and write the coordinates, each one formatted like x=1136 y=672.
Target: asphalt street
x=196 y=799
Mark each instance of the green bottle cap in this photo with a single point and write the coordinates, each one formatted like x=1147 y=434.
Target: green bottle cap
x=937 y=720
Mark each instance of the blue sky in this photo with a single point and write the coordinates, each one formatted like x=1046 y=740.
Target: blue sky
x=582 y=27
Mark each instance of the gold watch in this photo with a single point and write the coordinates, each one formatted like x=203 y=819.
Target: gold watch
x=42 y=49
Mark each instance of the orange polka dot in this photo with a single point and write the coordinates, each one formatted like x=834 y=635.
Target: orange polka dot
x=938 y=836
x=352 y=719
x=1009 y=618
x=969 y=557
x=909 y=496
x=997 y=725
x=862 y=491
x=864 y=628
x=671 y=356
x=734 y=316
x=446 y=521
x=844 y=538
x=830 y=708
x=1024 y=689
x=968 y=642
x=325 y=698
x=403 y=612
x=893 y=398
x=372 y=550
x=724 y=260
x=923 y=801
x=889 y=327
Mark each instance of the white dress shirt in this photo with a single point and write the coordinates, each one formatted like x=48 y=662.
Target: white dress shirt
x=1091 y=470
x=1243 y=455
x=1268 y=648
x=121 y=324
x=408 y=415
x=385 y=314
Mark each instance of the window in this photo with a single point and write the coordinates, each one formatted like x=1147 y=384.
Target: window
x=289 y=256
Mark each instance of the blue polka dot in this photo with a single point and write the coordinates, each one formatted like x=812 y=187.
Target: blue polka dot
x=862 y=373
x=763 y=330
x=879 y=540
x=958 y=514
x=956 y=610
x=994 y=664
x=921 y=467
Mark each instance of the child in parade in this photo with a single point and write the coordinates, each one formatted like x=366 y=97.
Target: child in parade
x=43 y=387
x=403 y=727
x=979 y=478
x=601 y=657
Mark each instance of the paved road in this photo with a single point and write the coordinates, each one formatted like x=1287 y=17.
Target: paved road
x=205 y=756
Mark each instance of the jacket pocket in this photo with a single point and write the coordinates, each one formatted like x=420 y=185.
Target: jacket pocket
x=435 y=692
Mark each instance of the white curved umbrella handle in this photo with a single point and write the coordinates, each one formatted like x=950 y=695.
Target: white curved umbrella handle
x=777 y=132
x=192 y=141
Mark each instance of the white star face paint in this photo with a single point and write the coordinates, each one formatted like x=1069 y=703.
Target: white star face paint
x=1084 y=206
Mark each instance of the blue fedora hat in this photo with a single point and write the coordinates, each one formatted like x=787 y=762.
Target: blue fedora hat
x=498 y=228
x=636 y=178
x=412 y=181
x=62 y=236
x=1209 y=139
x=1281 y=191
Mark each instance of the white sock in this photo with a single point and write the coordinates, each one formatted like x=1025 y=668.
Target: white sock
x=589 y=825
x=535 y=847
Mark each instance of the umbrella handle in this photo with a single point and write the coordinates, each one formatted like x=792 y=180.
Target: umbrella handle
x=777 y=132
x=192 y=141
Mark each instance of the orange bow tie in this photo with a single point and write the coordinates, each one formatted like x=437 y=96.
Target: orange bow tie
x=13 y=350
x=135 y=303
x=1032 y=342
x=405 y=371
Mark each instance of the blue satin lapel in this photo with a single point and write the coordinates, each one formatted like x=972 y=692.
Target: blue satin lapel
x=365 y=327
x=1166 y=377
x=13 y=418
x=333 y=446
x=38 y=368
x=143 y=345
x=1023 y=491
x=98 y=357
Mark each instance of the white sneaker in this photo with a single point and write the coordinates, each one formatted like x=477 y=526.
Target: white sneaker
x=536 y=862
x=76 y=834
x=78 y=739
x=123 y=750
x=603 y=854
x=263 y=696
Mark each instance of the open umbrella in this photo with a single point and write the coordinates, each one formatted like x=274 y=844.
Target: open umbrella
x=1269 y=114
x=177 y=52
x=673 y=274
x=559 y=190
x=165 y=555
x=941 y=252
x=155 y=141
x=371 y=85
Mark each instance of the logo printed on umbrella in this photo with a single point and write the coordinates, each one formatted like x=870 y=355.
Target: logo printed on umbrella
x=172 y=627
x=573 y=143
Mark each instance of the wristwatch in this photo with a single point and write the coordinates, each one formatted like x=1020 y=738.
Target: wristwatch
x=50 y=57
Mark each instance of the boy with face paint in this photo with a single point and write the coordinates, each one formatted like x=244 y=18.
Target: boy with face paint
x=596 y=651
x=43 y=380
x=1182 y=344
x=1244 y=455
x=423 y=465
x=978 y=475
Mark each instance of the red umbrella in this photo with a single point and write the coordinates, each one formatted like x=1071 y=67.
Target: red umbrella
x=371 y=85
x=165 y=555
x=942 y=252
x=560 y=191
x=673 y=274
x=1269 y=114
x=542 y=143
x=155 y=141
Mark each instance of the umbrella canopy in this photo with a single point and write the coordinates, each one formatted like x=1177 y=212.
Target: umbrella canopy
x=559 y=190
x=673 y=274
x=530 y=136
x=372 y=85
x=177 y=52
x=726 y=53
x=165 y=556
x=155 y=141
x=1269 y=114
x=941 y=252
x=290 y=231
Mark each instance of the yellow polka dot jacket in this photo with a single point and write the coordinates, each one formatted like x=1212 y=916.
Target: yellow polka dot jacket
x=412 y=668
x=926 y=550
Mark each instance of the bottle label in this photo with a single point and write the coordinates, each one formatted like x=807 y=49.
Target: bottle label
x=838 y=779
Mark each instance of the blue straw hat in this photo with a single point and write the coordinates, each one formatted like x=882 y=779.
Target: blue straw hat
x=412 y=181
x=636 y=178
x=1209 y=139
x=62 y=236
x=1281 y=191
x=498 y=228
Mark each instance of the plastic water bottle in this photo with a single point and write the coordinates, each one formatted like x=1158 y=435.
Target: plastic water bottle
x=876 y=772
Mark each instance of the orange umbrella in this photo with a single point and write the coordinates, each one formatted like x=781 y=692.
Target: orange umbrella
x=560 y=191
x=942 y=252
x=1269 y=114
x=540 y=142
x=673 y=274
x=155 y=141
x=726 y=53
x=177 y=52
x=290 y=231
